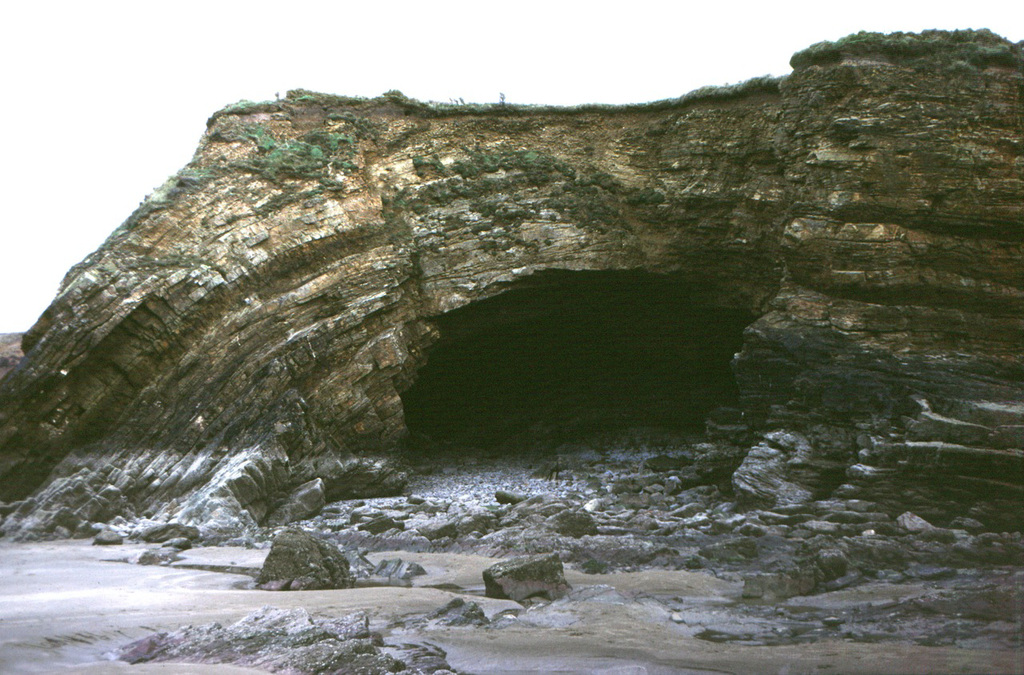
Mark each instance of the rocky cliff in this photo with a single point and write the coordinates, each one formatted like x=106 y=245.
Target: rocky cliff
x=852 y=232
x=10 y=352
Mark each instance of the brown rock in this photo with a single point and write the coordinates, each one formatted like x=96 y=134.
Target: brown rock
x=260 y=321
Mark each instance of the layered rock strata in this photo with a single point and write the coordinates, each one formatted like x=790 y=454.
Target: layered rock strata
x=254 y=324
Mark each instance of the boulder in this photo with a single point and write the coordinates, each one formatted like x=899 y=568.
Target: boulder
x=393 y=572
x=438 y=529
x=969 y=524
x=305 y=501
x=358 y=477
x=508 y=497
x=299 y=561
x=832 y=563
x=382 y=524
x=913 y=523
x=108 y=538
x=930 y=426
x=474 y=519
x=157 y=556
x=178 y=543
x=573 y=523
x=778 y=585
x=158 y=534
x=764 y=478
x=458 y=612
x=525 y=577
x=730 y=550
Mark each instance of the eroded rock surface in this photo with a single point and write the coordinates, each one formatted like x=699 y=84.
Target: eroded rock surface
x=10 y=352
x=300 y=561
x=274 y=640
x=254 y=325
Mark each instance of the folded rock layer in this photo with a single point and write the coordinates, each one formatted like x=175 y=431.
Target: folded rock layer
x=253 y=325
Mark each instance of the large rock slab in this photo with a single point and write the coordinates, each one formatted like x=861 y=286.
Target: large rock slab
x=275 y=640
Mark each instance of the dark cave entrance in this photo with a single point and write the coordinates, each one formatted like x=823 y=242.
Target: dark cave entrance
x=567 y=354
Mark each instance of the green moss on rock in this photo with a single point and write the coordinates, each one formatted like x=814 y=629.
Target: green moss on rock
x=305 y=157
x=976 y=48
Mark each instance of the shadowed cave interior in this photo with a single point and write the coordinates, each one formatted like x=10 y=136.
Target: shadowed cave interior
x=568 y=354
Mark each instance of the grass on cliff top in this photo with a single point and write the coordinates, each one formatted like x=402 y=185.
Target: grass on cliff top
x=958 y=48
x=977 y=48
x=765 y=84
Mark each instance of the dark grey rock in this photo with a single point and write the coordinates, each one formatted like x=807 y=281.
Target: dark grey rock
x=930 y=572
x=832 y=563
x=508 y=497
x=396 y=568
x=764 y=478
x=179 y=544
x=930 y=426
x=845 y=581
x=108 y=538
x=299 y=561
x=459 y=612
x=969 y=524
x=158 y=556
x=157 y=534
x=778 y=585
x=575 y=523
x=306 y=501
x=438 y=529
x=476 y=519
x=382 y=524
x=730 y=550
x=526 y=577
x=913 y=523
x=275 y=640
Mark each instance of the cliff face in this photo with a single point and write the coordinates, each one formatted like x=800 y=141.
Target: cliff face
x=10 y=352
x=256 y=322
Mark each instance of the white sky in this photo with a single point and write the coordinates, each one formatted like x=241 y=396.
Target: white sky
x=102 y=100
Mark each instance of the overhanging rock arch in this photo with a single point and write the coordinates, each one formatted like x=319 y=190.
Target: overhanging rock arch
x=253 y=324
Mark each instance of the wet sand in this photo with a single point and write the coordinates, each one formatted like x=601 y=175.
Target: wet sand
x=65 y=605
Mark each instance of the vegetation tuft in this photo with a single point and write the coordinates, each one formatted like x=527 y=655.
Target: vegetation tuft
x=958 y=48
x=428 y=167
x=305 y=157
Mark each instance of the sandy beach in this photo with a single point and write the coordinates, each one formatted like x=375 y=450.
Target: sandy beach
x=65 y=606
